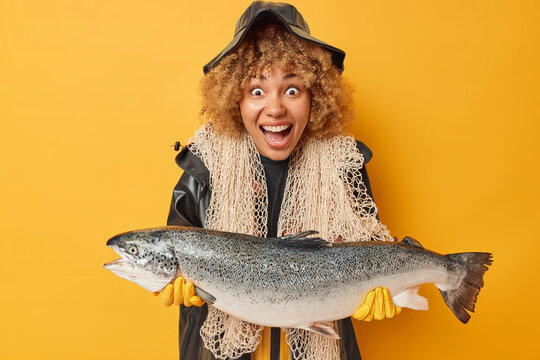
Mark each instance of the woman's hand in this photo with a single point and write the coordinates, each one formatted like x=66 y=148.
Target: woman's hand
x=180 y=293
x=377 y=305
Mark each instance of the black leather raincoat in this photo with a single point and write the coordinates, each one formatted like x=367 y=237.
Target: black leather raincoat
x=190 y=200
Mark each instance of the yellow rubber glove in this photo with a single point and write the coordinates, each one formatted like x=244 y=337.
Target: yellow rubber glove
x=377 y=305
x=180 y=292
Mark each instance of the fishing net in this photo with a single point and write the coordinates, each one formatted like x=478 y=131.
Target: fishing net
x=307 y=345
x=228 y=337
x=324 y=192
x=239 y=202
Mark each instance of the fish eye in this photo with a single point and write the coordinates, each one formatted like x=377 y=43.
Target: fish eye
x=133 y=250
x=292 y=91
x=256 y=91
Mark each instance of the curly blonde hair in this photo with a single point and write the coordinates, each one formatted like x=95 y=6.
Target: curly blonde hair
x=268 y=45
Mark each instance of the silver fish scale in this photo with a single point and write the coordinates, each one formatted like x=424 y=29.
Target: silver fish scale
x=267 y=271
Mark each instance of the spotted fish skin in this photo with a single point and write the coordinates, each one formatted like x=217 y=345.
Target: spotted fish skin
x=298 y=281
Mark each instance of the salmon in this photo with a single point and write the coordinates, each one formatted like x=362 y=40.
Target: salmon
x=293 y=281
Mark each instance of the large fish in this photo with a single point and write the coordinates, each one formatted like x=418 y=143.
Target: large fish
x=293 y=281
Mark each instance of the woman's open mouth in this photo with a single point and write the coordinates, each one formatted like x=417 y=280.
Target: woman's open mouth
x=276 y=135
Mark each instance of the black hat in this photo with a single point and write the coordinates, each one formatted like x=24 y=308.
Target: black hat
x=288 y=15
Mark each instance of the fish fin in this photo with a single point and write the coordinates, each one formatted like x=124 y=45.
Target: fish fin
x=206 y=296
x=412 y=242
x=324 y=329
x=409 y=298
x=465 y=295
x=302 y=240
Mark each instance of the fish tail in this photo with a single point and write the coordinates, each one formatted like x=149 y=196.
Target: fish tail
x=464 y=296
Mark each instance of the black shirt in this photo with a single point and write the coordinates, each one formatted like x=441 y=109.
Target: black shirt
x=276 y=172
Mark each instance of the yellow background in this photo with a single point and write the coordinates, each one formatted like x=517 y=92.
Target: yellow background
x=93 y=93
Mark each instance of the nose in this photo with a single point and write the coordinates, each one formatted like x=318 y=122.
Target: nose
x=113 y=241
x=274 y=106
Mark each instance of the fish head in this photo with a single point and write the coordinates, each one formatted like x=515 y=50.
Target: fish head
x=146 y=258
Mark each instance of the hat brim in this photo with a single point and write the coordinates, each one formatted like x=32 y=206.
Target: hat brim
x=337 y=55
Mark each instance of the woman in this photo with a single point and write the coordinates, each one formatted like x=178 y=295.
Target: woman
x=273 y=158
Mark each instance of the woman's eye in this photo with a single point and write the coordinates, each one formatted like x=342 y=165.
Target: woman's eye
x=257 y=92
x=292 y=91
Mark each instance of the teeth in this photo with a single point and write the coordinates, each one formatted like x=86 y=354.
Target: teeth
x=276 y=128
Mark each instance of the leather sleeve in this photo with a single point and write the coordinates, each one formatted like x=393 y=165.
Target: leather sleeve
x=188 y=208
x=366 y=152
x=186 y=205
x=348 y=346
x=191 y=195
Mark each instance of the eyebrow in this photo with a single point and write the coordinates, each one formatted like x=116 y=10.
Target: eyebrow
x=288 y=76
